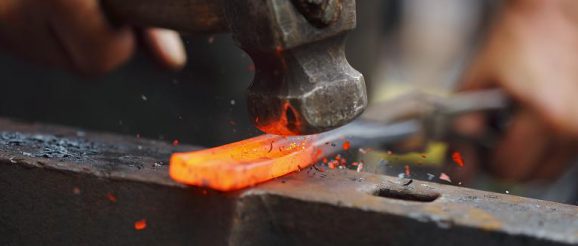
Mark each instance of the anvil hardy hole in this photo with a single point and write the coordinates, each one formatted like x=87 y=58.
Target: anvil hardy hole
x=406 y=195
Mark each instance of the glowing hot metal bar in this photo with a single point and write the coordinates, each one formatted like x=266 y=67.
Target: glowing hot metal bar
x=245 y=163
x=255 y=160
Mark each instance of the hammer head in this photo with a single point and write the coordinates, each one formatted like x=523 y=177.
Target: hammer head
x=303 y=83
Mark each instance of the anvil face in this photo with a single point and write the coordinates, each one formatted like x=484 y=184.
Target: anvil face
x=53 y=179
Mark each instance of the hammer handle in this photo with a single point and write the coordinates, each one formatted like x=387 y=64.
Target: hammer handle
x=192 y=16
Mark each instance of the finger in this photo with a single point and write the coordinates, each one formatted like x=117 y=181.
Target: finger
x=522 y=148
x=93 y=45
x=23 y=27
x=556 y=160
x=527 y=64
x=167 y=47
x=477 y=76
x=557 y=106
x=470 y=125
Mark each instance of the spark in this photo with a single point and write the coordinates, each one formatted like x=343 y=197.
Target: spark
x=407 y=171
x=445 y=177
x=457 y=157
x=346 y=145
x=360 y=167
x=333 y=163
x=111 y=197
x=140 y=225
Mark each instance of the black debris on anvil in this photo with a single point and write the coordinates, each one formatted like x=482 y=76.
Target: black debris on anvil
x=49 y=146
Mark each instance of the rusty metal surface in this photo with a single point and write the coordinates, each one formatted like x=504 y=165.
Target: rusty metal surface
x=55 y=184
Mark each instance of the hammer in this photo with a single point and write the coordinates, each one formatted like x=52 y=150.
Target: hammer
x=303 y=82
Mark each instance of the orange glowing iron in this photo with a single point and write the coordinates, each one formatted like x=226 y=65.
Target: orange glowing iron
x=259 y=159
x=245 y=163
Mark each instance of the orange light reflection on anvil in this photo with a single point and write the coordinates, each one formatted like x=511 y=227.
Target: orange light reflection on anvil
x=245 y=163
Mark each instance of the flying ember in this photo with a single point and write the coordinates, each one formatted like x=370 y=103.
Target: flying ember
x=346 y=145
x=140 y=225
x=457 y=157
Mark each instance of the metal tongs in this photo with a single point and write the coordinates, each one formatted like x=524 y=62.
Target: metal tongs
x=419 y=118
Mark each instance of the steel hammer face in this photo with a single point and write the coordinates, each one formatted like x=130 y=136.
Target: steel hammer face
x=303 y=83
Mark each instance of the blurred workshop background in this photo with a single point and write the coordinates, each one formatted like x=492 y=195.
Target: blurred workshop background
x=399 y=45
